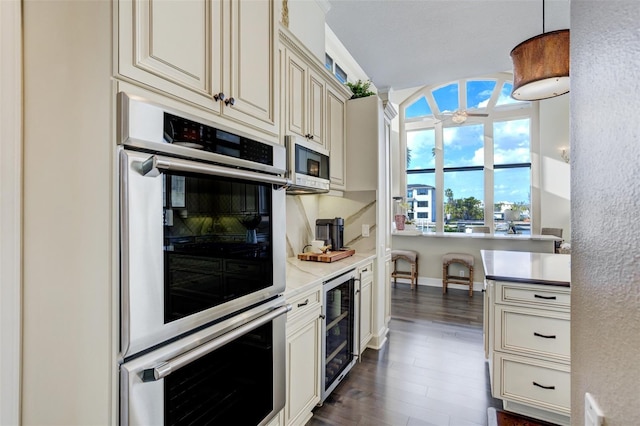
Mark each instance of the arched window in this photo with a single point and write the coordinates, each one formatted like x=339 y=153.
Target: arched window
x=471 y=143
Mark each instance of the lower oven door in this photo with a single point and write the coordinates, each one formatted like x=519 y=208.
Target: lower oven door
x=224 y=374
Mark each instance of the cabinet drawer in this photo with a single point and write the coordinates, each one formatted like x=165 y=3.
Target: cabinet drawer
x=529 y=295
x=303 y=303
x=536 y=383
x=533 y=332
x=366 y=272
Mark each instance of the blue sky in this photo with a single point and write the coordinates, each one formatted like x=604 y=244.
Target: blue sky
x=464 y=145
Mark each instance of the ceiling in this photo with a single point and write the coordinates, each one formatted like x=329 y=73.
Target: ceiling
x=408 y=43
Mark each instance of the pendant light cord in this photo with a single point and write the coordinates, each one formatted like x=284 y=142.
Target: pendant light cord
x=542 y=16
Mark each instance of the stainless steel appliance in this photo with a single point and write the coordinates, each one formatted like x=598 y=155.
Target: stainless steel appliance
x=232 y=372
x=331 y=231
x=340 y=343
x=202 y=223
x=307 y=166
x=202 y=246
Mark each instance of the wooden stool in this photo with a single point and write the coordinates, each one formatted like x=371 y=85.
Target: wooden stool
x=462 y=259
x=410 y=257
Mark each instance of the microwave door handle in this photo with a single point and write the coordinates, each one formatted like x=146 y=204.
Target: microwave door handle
x=165 y=368
x=155 y=164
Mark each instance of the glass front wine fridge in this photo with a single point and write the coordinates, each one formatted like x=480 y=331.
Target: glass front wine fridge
x=340 y=311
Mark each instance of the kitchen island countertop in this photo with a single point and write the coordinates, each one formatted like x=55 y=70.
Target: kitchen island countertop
x=527 y=267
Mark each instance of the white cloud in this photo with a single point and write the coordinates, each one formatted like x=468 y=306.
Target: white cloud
x=506 y=156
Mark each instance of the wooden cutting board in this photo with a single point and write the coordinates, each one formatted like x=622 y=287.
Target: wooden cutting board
x=332 y=256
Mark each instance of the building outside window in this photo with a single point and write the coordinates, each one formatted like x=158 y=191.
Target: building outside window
x=419 y=198
x=469 y=144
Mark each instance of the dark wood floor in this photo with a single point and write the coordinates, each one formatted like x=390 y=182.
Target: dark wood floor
x=432 y=370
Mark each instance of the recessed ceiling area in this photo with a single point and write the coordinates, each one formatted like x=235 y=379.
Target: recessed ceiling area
x=408 y=43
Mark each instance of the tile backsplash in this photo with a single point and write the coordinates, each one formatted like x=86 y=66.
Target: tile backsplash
x=356 y=208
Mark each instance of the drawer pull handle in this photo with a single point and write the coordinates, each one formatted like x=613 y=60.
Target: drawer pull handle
x=545 y=297
x=305 y=303
x=543 y=387
x=543 y=335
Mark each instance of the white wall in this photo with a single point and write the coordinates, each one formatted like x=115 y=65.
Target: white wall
x=605 y=265
x=307 y=23
x=555 y=194
x=342 y=57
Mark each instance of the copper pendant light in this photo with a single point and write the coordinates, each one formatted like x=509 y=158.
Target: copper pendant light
x=541 y=66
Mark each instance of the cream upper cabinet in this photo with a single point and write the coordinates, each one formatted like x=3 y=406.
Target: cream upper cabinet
x=216 y=54
x=336 y=117
x=305 y=101
x=314 y=104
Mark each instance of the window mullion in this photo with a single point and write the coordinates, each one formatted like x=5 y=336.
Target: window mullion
x=439 y=178
x=488 y=176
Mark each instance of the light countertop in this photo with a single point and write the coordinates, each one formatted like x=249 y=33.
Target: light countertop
x=303 y=275
x=527 y=267
x=475 y=235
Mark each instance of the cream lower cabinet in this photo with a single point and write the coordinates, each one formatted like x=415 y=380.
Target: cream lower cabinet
x=528 y=337
x=219 y=55
x=366 y=306
x=304 y=330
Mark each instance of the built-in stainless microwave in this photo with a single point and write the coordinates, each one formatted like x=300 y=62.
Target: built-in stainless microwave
x=307 y=166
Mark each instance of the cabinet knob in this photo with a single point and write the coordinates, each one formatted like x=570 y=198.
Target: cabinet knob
x=219 y=96
x=229 y=101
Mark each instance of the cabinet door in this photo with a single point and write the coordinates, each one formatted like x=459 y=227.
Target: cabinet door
x=173 y=46
x=366 y=314
x=316 y=108
x=335 y=138
x=249 y=64
x=296 y=94
x=303 y=368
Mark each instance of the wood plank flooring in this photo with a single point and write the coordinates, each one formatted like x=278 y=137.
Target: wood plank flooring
x=432 y=370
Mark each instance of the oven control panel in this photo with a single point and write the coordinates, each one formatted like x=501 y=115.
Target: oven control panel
x=191 y=134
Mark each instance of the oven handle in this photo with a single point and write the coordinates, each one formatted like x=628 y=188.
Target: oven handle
x=163 y=369
x=152 y=166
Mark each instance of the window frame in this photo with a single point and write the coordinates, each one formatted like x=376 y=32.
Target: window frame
x=504 y=112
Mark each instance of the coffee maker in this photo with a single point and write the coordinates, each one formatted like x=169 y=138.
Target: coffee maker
x=331 y=232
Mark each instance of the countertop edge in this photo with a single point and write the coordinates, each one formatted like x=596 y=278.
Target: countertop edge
x=528 y=281
x=476 y=236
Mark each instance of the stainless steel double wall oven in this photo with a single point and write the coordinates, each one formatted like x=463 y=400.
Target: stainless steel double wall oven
x=202 y=229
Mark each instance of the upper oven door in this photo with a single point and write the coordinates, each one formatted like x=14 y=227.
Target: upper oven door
x=198 y=242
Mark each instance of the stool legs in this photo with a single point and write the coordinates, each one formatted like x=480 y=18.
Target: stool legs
x=446 y=278
x=445 y=272
x=411 y=275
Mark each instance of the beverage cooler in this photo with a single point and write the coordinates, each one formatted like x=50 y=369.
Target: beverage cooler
x=339 y=346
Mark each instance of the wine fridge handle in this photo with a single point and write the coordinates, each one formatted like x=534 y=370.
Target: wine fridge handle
x=164 y=369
